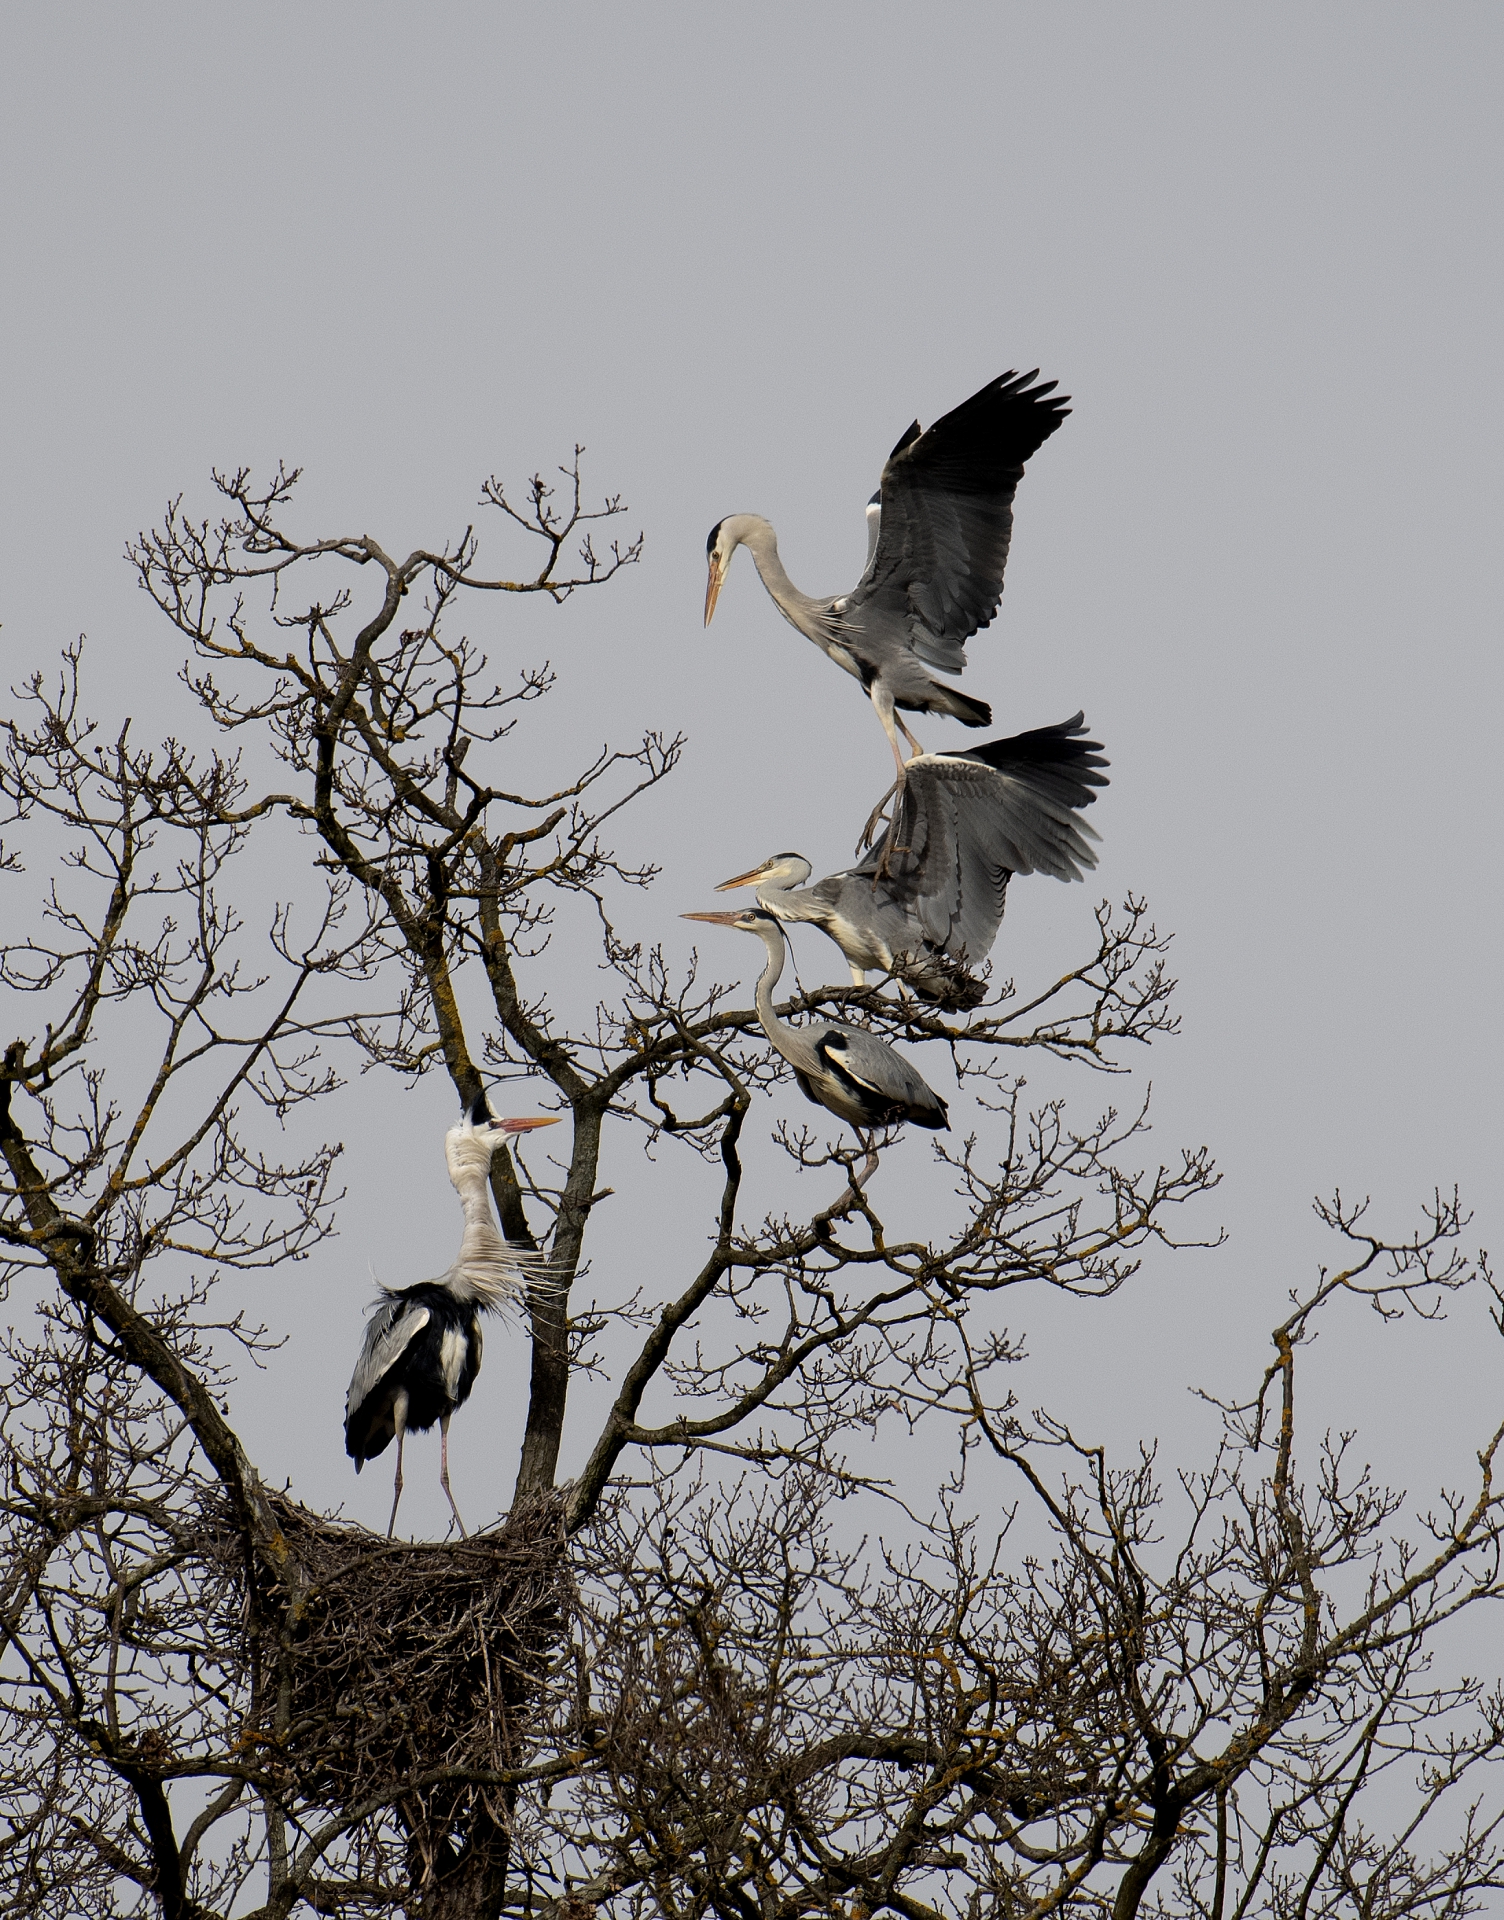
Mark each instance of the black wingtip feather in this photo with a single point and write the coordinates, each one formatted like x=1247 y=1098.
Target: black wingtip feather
x=981 y=446
x=1056 y=759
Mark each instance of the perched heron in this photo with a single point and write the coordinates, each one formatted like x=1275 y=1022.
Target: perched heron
x=927 y=901
x=938 y=529
x=421 y=1352
x=852 y=1073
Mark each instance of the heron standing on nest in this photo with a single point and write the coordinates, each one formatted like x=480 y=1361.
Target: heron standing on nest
x=422 y=1348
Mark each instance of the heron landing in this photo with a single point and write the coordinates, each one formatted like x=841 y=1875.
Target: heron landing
x=934 y=573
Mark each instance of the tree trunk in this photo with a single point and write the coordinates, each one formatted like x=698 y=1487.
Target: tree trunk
x=467 y=1882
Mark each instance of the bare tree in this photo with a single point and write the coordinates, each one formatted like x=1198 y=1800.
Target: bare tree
x=1174 y=1706
x=672 y=1684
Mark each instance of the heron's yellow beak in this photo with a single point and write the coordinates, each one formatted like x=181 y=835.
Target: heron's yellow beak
x=526 y=1126
x=715 y=919
x=745 y=879
x=713 y=587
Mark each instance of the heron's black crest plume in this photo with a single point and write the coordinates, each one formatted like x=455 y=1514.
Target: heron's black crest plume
x=480 y=1113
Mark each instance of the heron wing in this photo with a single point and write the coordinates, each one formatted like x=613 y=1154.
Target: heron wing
x=866 y=923
x=947 y=516
x=1056 y=762
x=875 y=1067
x=966 y=822
x=389 y=1332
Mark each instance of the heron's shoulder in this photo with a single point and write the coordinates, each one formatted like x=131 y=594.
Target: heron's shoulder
x=834 y=1033
x=426 y=1297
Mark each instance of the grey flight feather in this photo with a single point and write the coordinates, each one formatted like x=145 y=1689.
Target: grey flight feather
x=966 y=822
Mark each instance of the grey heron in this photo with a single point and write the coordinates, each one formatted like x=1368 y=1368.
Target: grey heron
x=422 y=1345
x=934 y=572
x=845 y=1069
x=927 y=901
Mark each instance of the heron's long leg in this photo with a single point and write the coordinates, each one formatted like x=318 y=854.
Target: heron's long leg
x=874 y=819
x=858 y=975
x=908 y=736
x=882 y=699
x=444 y=1473
x=399 y=1421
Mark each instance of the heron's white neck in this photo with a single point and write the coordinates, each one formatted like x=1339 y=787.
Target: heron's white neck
x=469 y=1158
x=488 y=1271
x=792 y=903
x=751 y=531
x=772 y=938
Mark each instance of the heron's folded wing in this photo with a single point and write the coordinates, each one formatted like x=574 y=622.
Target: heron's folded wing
x=870 y=1064
x=389 y=1333
x=947 y=516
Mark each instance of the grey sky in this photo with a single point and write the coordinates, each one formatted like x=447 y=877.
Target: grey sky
x=734 y=251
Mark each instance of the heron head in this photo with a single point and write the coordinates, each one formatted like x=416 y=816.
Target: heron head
x=481 y=1124
x=725 y=537
x=778 y=870
x=716 y=557
x=470 y=1145
x=749 y=920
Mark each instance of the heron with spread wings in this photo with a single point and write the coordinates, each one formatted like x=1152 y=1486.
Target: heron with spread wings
x=927 y=900
x=934 y=574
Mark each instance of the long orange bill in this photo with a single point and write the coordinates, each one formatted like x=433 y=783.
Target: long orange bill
x=713 y=589
x=743 y=879
x=715 y=919
x=526 y=1126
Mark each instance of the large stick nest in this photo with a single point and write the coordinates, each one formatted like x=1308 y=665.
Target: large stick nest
x=399 y=1661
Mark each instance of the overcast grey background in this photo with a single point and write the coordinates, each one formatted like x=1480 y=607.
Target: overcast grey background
x=734 y=251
